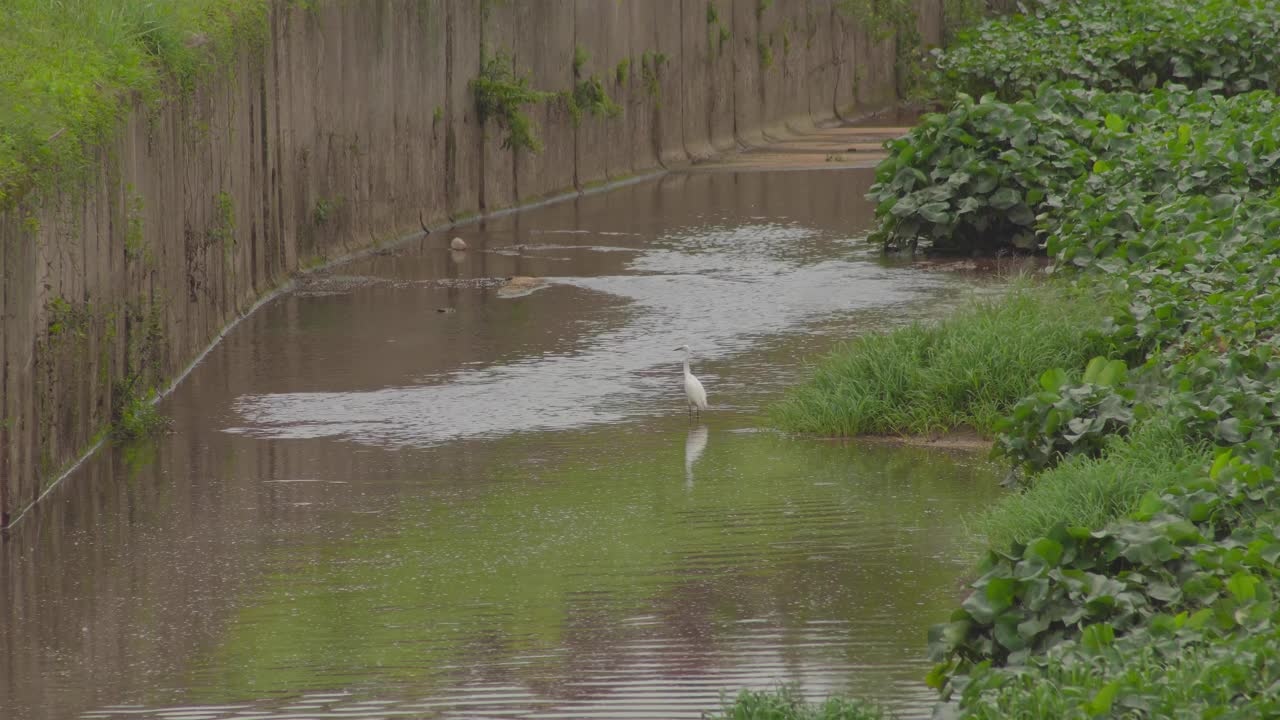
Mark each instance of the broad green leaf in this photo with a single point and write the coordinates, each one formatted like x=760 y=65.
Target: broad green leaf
x=1053 y=379
x=1243 y=586
x=1094 y=367
x=1005 y=198
x=1102 y=701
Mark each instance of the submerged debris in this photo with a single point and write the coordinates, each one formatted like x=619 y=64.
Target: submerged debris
x=520 y=285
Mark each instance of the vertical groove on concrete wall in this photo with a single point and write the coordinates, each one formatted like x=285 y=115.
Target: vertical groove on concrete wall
x=354 y=122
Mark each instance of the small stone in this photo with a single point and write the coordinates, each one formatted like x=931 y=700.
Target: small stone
x=458 y=244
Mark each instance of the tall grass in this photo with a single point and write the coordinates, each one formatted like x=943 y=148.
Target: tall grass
x=1091 y=492
x=968 y=370
x=786 y=703
x=69 y=70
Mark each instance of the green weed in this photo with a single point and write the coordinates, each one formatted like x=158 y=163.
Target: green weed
x=786 y=703
x=967 y=370
x=765 y=51
x=69 y=72
x=1091 y=492
x=134 y=413
x=324 y=210
x=500 y=94
x=588 y=93
x=651 y=71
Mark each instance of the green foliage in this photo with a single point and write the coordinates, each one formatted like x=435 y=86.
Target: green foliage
x=69 y=73
x=879 y=18
x=67 y=321
x=500 y=93
x=898 y=19
x=651 y=71
x=437 y=115
x=223 y=229
x=135 y=246
x=324 y=210
x=968 y=370
x=717 y=34
x=1224 y=46
x=1066 y=418
x=1176 y=670
x=990 y=174
x=1091 y=492
x=765 y=50
x=134 y=413
x=1138 y=582
x=623 y=71
x=786 y=703
x=588 y=93
x=1194 y=555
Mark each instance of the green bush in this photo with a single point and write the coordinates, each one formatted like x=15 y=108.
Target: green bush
x=1224 y=46
x=1170 y=671
x=1186 y=550
x=500 y=94
x=990 y=174
x=968 y=370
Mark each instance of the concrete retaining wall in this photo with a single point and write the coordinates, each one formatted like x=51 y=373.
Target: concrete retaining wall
x=353 y=122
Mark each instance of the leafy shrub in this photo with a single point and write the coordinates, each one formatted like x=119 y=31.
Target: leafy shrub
x=1066 y=419
x=989 y=174
x=1224 y=46
x=1175 y=669
x=500 y=93
x=1185 y=550
x=975 y=177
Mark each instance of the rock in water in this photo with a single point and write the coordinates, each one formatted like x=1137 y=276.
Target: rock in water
x=458 y=244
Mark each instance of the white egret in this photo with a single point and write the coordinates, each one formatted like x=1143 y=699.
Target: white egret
x=693 y=389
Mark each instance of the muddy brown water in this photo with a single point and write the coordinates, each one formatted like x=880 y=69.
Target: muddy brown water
x=397 y=492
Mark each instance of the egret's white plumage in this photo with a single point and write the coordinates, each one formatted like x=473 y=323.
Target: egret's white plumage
x=693 y=390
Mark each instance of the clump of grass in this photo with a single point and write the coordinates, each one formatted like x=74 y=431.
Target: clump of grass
x=786 y=703
x=1091 y=492
x=70 y=70
x=968 y=370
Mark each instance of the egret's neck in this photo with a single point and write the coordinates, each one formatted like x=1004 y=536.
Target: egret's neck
x=686 y=363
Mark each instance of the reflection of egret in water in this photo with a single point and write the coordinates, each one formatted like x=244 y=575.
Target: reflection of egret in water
x=693 y=447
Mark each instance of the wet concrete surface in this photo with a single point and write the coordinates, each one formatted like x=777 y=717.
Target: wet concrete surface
x=401 y=491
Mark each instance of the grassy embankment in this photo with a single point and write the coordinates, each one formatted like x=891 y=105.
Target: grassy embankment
x=1138 y=144
x=71 y=69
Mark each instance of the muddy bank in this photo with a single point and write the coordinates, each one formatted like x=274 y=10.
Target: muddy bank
x=351 y=125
